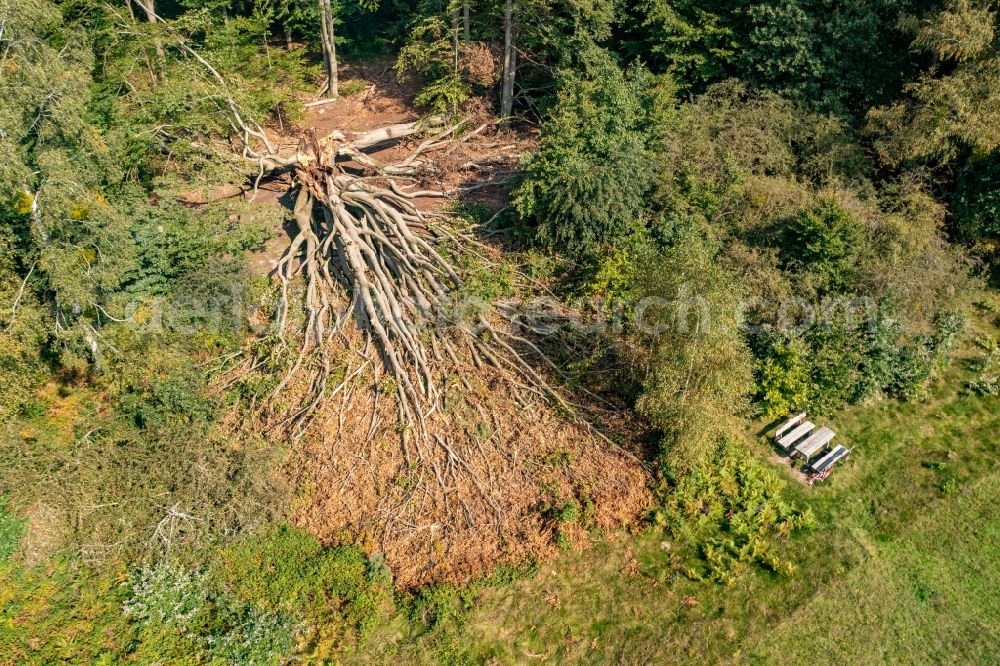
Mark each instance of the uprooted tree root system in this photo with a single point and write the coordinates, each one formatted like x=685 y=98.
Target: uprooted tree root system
x=426 y=427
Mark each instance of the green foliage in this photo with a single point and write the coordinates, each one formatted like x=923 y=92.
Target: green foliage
x=111 y=297
x=961 y=32
x=842 y=60
x=821 y=244
x=440 y=607
x=54 y=168
x=336 y=590
x=949 y=113
x=115 y=300
x=844 y=284
x=697 y=371
x=986 y=367
x=784 y=51
x=589 y=183
x=783 y=378
x=179 y=619
x=430 y=52
x=694 y=43
x=167 y=595
x=837 y=363
x=233 y=612
x=11 y=529
x=63 y=613
x=975 y=204
x=731 y=506
x=24 y=332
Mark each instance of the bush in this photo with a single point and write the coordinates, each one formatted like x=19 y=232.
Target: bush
x=729 y=507
x=429 y=53
x=783 y=378
x=333 y=589
x=987 y=369
x=694 y=366
x=181 y=619
x=975 y=205
x=822 y=244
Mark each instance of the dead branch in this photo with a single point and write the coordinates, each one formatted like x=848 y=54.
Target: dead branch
x=20 y=293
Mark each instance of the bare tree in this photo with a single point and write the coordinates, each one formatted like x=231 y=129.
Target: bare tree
x=509 y=63
x=329 y=39
x=149 y=8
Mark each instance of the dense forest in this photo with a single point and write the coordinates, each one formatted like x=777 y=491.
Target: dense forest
x=456 y=331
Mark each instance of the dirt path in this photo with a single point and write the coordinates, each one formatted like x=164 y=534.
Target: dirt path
x=787 y=464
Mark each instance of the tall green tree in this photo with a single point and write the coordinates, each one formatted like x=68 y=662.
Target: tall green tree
x=589 y=183
x=950 y=116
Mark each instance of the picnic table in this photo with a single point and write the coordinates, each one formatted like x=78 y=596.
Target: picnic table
x=815 y=443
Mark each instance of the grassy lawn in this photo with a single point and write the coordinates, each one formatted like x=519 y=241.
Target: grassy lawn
x=904 y=566
x=932 y=596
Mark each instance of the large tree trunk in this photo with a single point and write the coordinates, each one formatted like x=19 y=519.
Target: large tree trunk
x=328 y=36
x=455 y=18
x=466 y=22
x=509 y=63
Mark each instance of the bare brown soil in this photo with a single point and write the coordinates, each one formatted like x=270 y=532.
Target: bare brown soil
x=792 y=472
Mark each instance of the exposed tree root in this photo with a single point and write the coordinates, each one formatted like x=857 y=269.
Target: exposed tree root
x=366 y=253
x=485 y=487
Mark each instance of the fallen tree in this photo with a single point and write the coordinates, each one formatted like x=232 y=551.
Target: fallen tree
x=365 y=252
x=361 y=235
x=422 y=418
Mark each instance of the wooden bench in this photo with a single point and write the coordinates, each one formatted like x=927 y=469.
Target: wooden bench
x=788 y=425
x=830 y=459
x=815 y=443
x=797 y=433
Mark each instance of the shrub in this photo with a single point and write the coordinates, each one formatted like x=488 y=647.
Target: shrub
x=783 y=378
x=167 y=595
x=822 y=242
x=694 y=366
x=730 y=508
x=987 y=369
x=429 y=52
x=180 y=618
x=439 y=606
x=337 y=590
